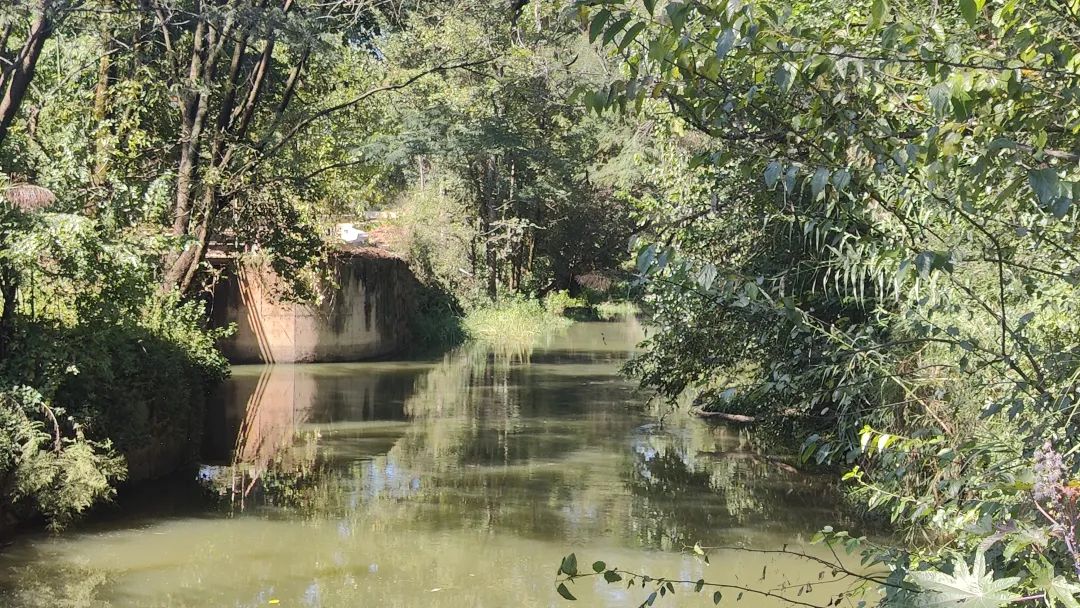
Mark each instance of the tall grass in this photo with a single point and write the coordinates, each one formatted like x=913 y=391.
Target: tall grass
x=512 y=321
x=612 y=310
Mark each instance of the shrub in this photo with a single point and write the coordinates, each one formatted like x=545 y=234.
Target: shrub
x=95 y=363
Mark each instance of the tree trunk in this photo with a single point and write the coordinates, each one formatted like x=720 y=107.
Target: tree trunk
x=490 y=258
x=181 y=272
x=16 y=80
x=194 y=109
x=9 y=291
x=102 y=134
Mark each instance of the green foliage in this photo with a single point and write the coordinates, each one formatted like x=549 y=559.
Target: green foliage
x=493 y=164
x=437 y=323
x=437 y=244
x=237 y=124
x=612 y=310
x=861 y=230
x=965 y=587
x=96 y=363
x=556 y=302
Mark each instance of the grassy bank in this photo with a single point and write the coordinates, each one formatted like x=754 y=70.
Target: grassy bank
x=613 y=310
x=512 y=321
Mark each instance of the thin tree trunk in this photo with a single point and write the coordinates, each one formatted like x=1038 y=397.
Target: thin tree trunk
x=102 y=133
x=180 y=274
x=194 y=109
x=9 y=291
x=16 y=81
x=490 y=259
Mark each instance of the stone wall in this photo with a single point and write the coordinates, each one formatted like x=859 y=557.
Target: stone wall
x=365 y=316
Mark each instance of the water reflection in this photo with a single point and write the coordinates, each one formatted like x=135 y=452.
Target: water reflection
x=455 y=482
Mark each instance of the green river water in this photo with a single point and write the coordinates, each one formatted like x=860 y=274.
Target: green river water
x=460 y=481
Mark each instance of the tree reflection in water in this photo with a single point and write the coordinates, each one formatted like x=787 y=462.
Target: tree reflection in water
x=539 y=443
x=365 y=483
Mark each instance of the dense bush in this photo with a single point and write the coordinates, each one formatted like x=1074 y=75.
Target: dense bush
x=47 y=465
x=96 y=363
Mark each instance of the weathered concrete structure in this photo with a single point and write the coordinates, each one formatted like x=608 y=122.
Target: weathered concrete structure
x=365 y=315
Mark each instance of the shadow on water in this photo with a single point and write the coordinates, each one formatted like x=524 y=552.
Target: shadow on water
x=458 y=481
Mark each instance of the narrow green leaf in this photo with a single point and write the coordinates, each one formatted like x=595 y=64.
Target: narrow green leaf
x=705 y=279
x=1060 y=207
x=818 y=182
x=716 y=597
x=650 y=5
x=597 y=25
x=563 y=591
x=772 y=173
x=783 y=77
x=789 y=178
x=631 y=34
x=841 y=179
x=614 y=29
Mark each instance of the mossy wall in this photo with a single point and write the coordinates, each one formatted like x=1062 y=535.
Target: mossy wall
x=363 y=314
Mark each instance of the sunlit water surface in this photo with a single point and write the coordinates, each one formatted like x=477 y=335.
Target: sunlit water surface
x=456 y=482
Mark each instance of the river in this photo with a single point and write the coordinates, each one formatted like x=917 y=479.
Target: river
x=459 y=481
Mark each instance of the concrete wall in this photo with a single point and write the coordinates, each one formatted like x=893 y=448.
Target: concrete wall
x=366 y=315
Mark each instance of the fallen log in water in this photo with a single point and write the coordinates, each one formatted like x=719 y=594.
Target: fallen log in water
x=736 y=418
